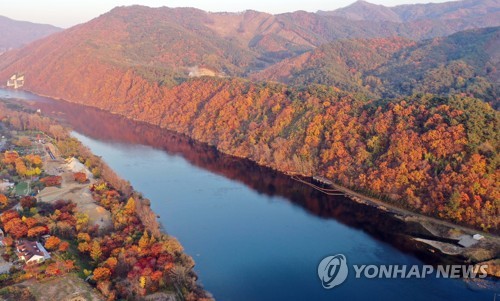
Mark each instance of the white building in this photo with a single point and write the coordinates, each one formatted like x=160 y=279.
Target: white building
x=31 y=252
x=16 y=81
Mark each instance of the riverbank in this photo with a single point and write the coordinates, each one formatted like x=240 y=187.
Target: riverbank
x=429 y=223
x=227 y=210
x=298 y=154
x=111 y=231
x=188 y=290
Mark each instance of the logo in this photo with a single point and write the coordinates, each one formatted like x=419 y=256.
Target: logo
x=332 y=271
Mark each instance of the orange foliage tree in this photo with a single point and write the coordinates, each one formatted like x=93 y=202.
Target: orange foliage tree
x=52 y=242
x=3 y=201
x=101 y=274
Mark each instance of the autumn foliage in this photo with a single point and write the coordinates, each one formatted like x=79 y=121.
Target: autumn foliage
x=126 y=260
x=3 y=200
x=422 y=152
x=101 y=274
x=28 y=202
x=52 y=243
x=131 y=253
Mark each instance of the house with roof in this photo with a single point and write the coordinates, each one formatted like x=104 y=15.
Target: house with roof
x=31 y=252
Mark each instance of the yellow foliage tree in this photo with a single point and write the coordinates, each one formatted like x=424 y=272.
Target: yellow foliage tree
x=95 y=251
x=144 y=241
x=83 y=247
x=130 y=206
x=172 y=246
x=82 y=220
x=83 y=237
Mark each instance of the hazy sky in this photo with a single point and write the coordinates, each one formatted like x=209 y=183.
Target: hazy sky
x=66 y=13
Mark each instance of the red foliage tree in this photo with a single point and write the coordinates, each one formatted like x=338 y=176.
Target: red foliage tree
x=8 y=215
x=28 y=202
x=53 y=269
x=17 y=228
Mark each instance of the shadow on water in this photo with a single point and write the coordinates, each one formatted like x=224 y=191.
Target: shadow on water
x=108 y=127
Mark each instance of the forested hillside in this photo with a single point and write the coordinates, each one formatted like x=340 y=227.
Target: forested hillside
x=363 y=104
x=465 y=62
x=436 y=155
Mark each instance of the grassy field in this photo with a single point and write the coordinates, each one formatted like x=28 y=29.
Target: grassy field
x=22 y=188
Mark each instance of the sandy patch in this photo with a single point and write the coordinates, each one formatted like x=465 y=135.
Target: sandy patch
x=70 y=190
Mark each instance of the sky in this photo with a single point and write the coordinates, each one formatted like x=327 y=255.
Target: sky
x=66 y=13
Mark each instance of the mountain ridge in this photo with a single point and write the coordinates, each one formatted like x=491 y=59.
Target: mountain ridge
x=480 y=10
x=166 y=44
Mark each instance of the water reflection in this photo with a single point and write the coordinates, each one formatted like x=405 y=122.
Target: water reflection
x=105 y=126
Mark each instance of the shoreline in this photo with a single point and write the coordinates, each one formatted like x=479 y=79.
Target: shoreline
x=59 y=166
x=348 y=191
x=146 y=215
x=444 y=236
x=403 y=214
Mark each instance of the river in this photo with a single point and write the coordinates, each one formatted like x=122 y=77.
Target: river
x=254 y=234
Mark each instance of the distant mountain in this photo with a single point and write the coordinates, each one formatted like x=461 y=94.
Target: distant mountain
x=484 y=12
x=18 y=33
x=342 y=63
x=466 y=62
x=479 y=13
x=362 y=10
x=167 y=46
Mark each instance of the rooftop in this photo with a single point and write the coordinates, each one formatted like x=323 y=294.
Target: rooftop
x=28 y=249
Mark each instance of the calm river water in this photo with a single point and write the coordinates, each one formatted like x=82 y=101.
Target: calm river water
x=254 y=234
